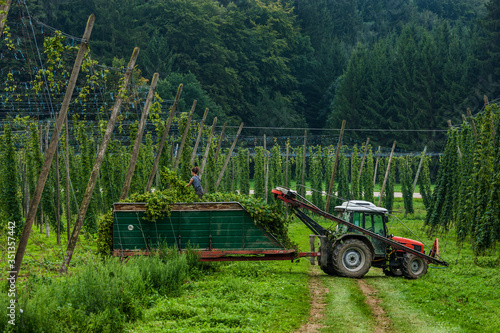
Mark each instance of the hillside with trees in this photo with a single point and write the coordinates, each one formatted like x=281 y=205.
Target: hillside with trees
x=380 y=65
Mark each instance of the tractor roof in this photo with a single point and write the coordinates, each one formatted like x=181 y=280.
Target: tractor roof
x=360 y=206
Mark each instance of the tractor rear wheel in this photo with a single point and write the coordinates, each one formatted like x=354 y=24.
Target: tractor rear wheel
x=352 y=258
x=413 y=266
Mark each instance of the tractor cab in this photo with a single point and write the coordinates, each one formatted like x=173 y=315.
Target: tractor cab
x=366 y=215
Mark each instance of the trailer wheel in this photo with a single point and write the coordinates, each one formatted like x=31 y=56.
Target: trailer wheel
x=413 y=266
x=352 y=258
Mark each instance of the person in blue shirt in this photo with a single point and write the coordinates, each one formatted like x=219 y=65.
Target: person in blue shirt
x=196 y=182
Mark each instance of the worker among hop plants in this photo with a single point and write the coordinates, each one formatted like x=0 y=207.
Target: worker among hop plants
x=196 y=181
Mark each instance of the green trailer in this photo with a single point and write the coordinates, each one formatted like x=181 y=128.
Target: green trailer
x=220 y=231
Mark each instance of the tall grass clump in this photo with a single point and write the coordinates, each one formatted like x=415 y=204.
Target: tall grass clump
x=102 y=297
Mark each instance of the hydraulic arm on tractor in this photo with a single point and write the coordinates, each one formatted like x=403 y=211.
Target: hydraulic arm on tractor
x=361 y=240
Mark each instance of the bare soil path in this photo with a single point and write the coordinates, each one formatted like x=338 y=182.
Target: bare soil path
x=383 y=323
x=318 y=293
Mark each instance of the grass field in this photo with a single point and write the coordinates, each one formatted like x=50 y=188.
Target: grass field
x=274 y=296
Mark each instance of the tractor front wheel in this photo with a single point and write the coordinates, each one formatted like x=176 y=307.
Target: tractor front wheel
x=413 y=266
x=352 y=258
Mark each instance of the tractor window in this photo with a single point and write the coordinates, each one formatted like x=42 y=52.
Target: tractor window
x=369 y=222
x=378 y=223
x=356 y=219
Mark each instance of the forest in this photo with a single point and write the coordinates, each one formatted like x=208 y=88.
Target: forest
x=400 y=69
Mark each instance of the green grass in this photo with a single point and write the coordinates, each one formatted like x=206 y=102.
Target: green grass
x=274 y=296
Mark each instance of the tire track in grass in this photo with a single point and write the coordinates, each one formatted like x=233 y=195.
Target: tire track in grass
x=383 y=322
x=318 y=293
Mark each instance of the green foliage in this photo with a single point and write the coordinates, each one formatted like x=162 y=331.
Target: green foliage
x=102 y=297
x=275 y=169
x=355 y=176
x=259 y=173
x=406 y=179
x=343 y=190
x=317 y=176
x=273 y=218
x=466 y=191
x=424 y=182
x=444 y=198
x=366 y=184
x=10 y=206
x=388 y=195
x=244 y=171
x=300 y=169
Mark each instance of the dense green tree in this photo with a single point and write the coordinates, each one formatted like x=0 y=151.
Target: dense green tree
x=10 y=208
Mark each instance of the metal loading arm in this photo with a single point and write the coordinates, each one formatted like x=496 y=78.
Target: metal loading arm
x=296 y=204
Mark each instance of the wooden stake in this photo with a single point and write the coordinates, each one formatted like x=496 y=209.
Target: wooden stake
x=97 y=165
x=138 y=138
x=335 y=164
x=228 y=157
x=418 y=170
x=386 y=174
x=473 y=124
x=195 y=149
x=68 y=212
x=184 y=136
x=4 y=11
x=207 y=149
x=220 y=141
x=163 y=140
x=58 y=199
x=376 y=167
x=23 y=242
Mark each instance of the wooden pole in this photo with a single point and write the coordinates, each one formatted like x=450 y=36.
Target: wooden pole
x=163 y=140
x=49 y=155
x=286 y=165
x=376 y=167
x=304 y=152
x=97 y=165
x=68 y=212
x=184 y=136
x=335 y=164
x=45 y=219
x=58 y=199
x=228 y=157
x=138 y=138
x=418 y=170
x=220 y=141
x=195 y=149
x=473 y=124
x=4 y=11
x=207 y=149
x=386 y=174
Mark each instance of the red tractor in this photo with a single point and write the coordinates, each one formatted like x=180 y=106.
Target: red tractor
x=360 y=240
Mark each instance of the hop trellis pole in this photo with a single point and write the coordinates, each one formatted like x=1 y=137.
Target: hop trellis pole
x=49 y=154
x=97 y=166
